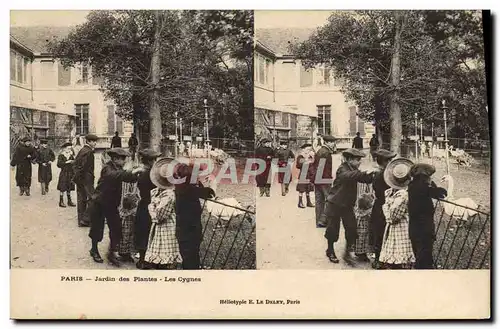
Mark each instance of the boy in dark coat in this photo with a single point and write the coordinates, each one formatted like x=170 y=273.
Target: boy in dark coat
x=357 y=142
x=24 y=156
x=188 y=212
x=421 y=212
x=116 y=141
x=143 y=219
x=341 y=200
x=83 y=168
x=377 y=219
x=45 y=157
x=65 y=183
x=324 y=155
x=266 y=153
x=105 y=203
x=284 y=155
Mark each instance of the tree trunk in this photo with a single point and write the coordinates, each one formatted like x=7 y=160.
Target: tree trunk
x=155 y=133
x=394 y=109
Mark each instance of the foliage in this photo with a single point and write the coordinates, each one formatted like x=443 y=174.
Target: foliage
x=195 y=49
x=442 y=57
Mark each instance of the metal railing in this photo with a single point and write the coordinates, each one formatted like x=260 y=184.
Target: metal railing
x=228 y=238
x=463 y=237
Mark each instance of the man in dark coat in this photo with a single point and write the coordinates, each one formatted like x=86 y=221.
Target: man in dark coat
x=284 y=155
x=83 y=168
x=143 y=220
x=24 y=156
x=377 y=219
x=421 y=229
x=357 y=142
x=44 y=158
x=323 y=158
x=105 y=203
x=132 y=145
x=374 y=144
x=266 y=153
x=116 y=141
x=341 y=200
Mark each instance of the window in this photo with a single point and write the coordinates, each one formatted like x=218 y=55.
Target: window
x=83 y=74
x=25 y=70
x=82 y=119
x=115 y=123
x=64 y=75
x=263 y=72
x=306 y=77
x=20 y=61
x=324 y=76
x=48 y=73
x=355 y=123
x=325 y=119
x=12 y=65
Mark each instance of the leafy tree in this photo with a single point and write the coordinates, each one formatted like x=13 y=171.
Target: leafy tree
x=119 y=45
x=435 y=56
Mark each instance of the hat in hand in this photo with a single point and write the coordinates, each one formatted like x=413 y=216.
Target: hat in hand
x=161 y=175
x=397 y=173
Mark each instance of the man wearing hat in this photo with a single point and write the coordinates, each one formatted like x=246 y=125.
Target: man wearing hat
x=341 y=200
x=83 y=167
x=266 y=153
x=323 y=157
x=357 y=142
x=377 y=219
x=105 y=203
x=142 y=224
x=44 y=158
x=23 y=157
x=284 y=155
x=421 y=191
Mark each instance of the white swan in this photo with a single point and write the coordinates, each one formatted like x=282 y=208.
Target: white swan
x=452 y=210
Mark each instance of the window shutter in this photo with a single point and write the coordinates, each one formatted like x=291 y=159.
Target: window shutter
x=352 y=120
x=111 y=119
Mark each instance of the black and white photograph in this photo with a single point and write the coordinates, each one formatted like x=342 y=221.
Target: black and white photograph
x=390 y=109
x=100 y=103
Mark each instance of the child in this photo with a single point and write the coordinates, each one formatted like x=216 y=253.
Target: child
x=44 y=158
x=163 y=249
x=305 y=163
x=65 y=182
x=421 y=213
x=396 y=250
x=363 y=212
x=128 y=209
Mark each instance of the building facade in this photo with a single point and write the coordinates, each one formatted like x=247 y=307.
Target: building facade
x=292 y=102
x=50 y=101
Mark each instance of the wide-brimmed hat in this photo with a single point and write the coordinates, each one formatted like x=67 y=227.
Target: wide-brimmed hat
x=91 y=138
x=384 y=154
x=118 y=151
x=149 y=153
x=66 y=144
x=422 y=169
x=397 y=173
x=305 y=145
x=353 y=153
x=161 y=175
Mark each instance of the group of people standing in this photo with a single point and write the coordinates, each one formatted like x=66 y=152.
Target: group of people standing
x=161 y=222
x=393 y=219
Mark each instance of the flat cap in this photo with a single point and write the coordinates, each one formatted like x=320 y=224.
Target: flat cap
x=43 y=141
x=329 y=138
x=305 y=145
x=149 y=153
x=422 y=169
x=66 y=144
x=118 y=151
x=353 y=153
x=264 y=140
x=91 y=137
x=385 y=154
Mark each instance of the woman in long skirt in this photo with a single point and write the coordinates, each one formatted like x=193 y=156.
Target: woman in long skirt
x=65 y=183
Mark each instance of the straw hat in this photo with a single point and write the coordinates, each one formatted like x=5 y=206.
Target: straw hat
x=397 y=173
x=160 y=173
